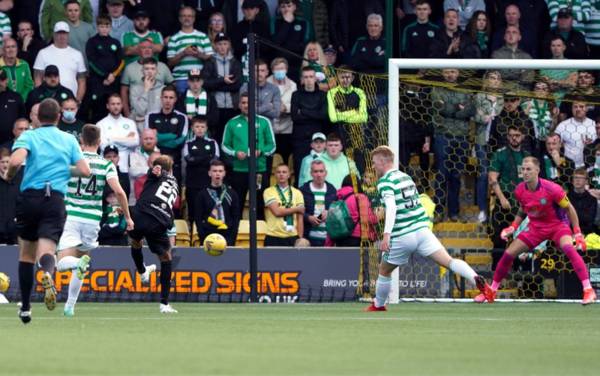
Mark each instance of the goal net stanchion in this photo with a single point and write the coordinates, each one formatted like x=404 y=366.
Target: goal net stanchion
x=415 y=88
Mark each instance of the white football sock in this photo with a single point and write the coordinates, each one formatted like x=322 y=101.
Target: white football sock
x=382 y=290
x=67 y=263
x=74 y=288
x=463 y=269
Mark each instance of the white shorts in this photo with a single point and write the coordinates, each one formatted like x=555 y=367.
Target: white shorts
x=83 y=236
x=422 y=241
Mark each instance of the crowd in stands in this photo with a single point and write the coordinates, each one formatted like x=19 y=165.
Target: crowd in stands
x=171 y=77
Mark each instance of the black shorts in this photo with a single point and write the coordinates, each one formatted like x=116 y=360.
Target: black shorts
x=146 y=226
x=39 y=216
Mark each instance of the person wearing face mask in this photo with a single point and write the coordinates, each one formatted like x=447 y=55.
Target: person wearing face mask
x=282 y=125
x=68 y=121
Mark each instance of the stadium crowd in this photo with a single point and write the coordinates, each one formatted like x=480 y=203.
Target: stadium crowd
x=170 y=77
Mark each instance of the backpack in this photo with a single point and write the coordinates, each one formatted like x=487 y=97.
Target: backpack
x=339 y=222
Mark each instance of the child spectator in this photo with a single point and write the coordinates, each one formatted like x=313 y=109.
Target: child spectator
x=113 y=224
x=317 y=148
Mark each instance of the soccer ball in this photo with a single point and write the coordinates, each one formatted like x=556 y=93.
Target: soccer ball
x=215 y=244
x=4 y=282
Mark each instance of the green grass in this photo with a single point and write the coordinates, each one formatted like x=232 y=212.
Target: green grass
x=304 y=339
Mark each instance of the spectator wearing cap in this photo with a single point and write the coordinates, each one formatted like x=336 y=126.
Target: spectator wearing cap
x=283 y=125
x=111 y=152
x=222 y=75
x=133 y=73
x=80 y=31
x=196 y=101
x=28 y=43
x=309 y=117
x=50 y=88
x=317 y=148
x=119 y=131
x=17 y=70
x=418 y=36
x=53 y=11
x=120 y=23
x=106 y=64
x=141 y=31
x=12 y=108
x=68 y=60
x=145 y=95
x=580 y=11
x=318 y=196
x=576 y=47
x=291 y=32
x=188 y=49
x=254 y=21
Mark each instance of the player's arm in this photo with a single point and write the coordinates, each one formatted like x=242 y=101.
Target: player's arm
x=280 y=211
x=114 y=184
x=81 y=169
x=572 y=214
x=390 y=216
x=16 y=161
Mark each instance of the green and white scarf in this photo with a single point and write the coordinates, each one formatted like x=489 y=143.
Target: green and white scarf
x=196 y=106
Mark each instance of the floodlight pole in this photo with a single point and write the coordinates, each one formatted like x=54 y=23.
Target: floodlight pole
x=252 y=164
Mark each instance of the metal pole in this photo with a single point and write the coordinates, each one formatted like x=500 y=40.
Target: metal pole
x=252 y=163
x=389 y=29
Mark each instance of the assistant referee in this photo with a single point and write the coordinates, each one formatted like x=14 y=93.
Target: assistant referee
x=49 y=154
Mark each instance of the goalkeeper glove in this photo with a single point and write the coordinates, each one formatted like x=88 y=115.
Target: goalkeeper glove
x=579 y=240
x=508 y=231
x=220 y=225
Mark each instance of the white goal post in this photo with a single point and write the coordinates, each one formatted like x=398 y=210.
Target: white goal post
x=395 y=66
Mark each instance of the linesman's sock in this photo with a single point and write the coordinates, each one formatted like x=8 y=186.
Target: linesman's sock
x=165 y=281
x=25 y=283
x=382 y=290
x=138 y=259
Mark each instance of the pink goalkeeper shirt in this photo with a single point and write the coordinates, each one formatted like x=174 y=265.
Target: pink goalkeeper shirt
x=541 y=205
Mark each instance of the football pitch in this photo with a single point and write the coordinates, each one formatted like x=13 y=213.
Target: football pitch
x=304 y=339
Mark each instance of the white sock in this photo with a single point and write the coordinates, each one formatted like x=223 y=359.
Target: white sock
x=382 y=290
x=463 y=269
x=74 y=288
x=67 y=263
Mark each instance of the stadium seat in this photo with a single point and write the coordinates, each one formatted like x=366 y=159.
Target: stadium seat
x=243 y=237
x=182 y=236
x=195 y=237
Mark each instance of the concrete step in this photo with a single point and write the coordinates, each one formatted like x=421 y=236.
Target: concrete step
x=467 y=243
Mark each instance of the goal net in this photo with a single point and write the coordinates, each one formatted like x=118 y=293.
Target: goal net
x=460 y=124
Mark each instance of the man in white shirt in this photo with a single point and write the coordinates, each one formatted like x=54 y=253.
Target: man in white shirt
x=576 y=132
x=69 y=61
x=119 y=131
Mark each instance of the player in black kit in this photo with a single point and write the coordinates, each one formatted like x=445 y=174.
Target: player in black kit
x=153 y=216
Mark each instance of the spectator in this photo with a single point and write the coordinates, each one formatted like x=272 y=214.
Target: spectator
x=360 y=210
x=12 y=108
x=580 y=11
x=138 y=160
x=346 y=103
x=452 y=111
x=9 y=190
x=145 y=96
x=255 y=21
x=268 y=97
x=20 y=126
x=317 y=148
x=120 y=24
x=5 y=24
x=589 y=151
x=318 y=196
x=576 y=47
x=585 y=90
x=512 y=114
x=528 y=41
x=555 y=165
x=188 y=49
x=140 y=32
x=198 y=155
x=216 y=26
x=204 y=12
x=196 y=101
x=134 y=74
x=111 y=153
x=511 y=50
x=53 y=11
x=118 y=132
x=504 y=175
x=113 y=225
x=171 y=127
x=451 y=42
x=33 y=116
x=480 y=30
x=592 y=38
x=559 y=79
x=584 y=203
x=282 y=125
x=291 y=33
x=466 y=9
x=217 y=206
x=309 y=116
x=68 y=60
x=418 y=36
x=284 y=211
x=339 y=26
x=17 y=70
x=68 y=120
x=29 y=45
x=314 y=57
x=337 y=164
x=576 y=132
x=368 y=53
x=542 y=113
x=163 y=14
x=50 y=88
x=222 y=76
x=141 y=180
x=595 y=172
x=488 y=104
x=106 y=64
x=235 y=145
x=80 y=31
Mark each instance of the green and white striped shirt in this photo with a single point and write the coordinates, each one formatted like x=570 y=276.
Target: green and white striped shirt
x=5 y=28
x=84 y=195
x=410 y=214
x=580 y=9
x=592 y=26
x=319 y=232
x=179 y=42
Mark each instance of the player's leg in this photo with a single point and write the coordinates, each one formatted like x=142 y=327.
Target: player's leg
x=46 y=249
x=77 y=262
x=27 y=251
x=160 y=244
x=566 y=244
x=383 y=284
x=137 y=235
